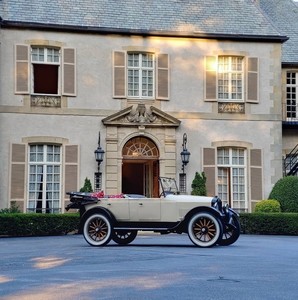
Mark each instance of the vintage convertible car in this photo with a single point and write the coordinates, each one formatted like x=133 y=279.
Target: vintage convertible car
x=119 y=217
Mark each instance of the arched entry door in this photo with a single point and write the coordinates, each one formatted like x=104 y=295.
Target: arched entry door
x=140 y=167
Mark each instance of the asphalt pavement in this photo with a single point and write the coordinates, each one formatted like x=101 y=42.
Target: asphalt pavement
x=152 y=267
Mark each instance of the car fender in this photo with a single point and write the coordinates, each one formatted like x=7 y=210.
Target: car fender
x=198 y=209
x=93 y=211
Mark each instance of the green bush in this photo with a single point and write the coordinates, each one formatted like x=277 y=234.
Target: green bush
x=87 y=188
x=19 y=224
x=286 y=192
x=199 y=185
x=13 y=209
x=269 y=223
x=268 y=206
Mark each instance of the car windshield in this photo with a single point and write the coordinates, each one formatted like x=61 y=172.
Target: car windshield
x=168 y=186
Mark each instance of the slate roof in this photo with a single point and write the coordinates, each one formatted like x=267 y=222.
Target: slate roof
x=214 y=17
x=284 y=16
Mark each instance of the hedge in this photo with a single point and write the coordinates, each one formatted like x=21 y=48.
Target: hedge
x=269 y=223
x=19 y=224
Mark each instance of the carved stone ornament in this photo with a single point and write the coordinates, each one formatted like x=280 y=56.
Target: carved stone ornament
x=231 y=107
x=142 y=114
x=46 y=101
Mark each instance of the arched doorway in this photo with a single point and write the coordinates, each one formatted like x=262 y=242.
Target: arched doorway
x=140 y=167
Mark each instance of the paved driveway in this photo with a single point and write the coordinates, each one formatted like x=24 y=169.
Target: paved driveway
x=152 y=267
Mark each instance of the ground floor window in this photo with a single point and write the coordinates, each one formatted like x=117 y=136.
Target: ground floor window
x=44 y=179
x=231 y=177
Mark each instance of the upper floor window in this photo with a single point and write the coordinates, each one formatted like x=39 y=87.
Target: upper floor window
x=230 y=78
x=140 y=75
x=292 y=97
x=45 y=70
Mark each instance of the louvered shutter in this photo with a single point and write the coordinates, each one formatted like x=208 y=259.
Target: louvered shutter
x=210 y=78
x=256 y=178
x=71 y=174
x=69 y=72
x=252 y=79
x=119 y=75
x=17 y=173
x=209 y=165
x=22 y=69
x=162 y=82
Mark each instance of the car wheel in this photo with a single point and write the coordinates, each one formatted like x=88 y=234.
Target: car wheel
x=124 y=237
x=204 y=229
x=231 y=233
x=97 y=230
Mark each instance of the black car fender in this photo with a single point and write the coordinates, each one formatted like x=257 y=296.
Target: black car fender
x=93 y=211
x=198 y=209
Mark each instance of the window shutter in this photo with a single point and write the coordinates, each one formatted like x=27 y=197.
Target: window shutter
x=22 y=69
x=119 y=74
x=256 y=178
x=17 y=173
x=71 y=174
x=69 y=72
x=210 y=78
x=209 y=166
x=253 y=79
x=162 y=84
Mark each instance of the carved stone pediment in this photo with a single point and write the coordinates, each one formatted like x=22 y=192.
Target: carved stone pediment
x=141 y=115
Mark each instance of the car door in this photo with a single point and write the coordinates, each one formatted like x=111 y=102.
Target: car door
x=144 y=209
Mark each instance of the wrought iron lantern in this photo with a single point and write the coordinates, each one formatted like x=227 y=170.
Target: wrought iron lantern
x=99 y=155
x=185 y=154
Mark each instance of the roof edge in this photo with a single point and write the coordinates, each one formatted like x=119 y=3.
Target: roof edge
x=106 y=30
x=289 y=64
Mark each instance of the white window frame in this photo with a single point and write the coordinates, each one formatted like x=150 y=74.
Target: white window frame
x=47 y=179
x=139 y=70
x=46 y=62
x=292 y=113
x=226 y=73
x=228 y=185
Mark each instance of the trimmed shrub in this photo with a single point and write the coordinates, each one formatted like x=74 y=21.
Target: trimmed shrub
x=38 y=224
x=87 y=188
x=286 y=192
x=268 y=206
x=269 y=223
x=199 y=185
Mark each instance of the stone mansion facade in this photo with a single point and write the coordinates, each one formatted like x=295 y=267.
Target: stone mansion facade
x=134 y=78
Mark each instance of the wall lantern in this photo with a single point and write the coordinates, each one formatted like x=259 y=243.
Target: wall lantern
x=99 y=155
x=185 y=154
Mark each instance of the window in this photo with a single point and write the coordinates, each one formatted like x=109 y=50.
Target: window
x=231 y=178
x=140 y=75
x=230 y=78
x=44 y=179
x=292 y=88
x=45 y=70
